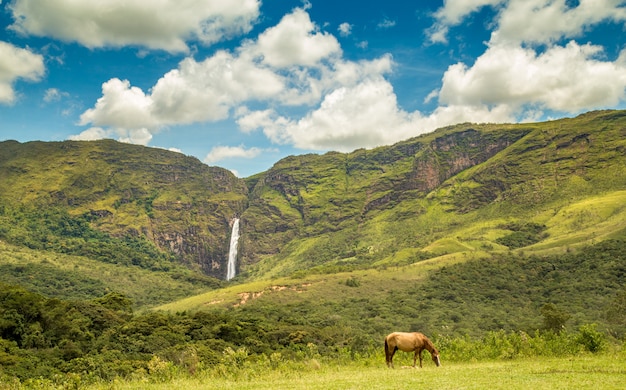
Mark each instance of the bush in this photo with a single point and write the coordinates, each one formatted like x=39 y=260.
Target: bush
x=590 y=338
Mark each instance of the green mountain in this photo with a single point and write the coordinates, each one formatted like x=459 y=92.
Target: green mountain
x=465 y=191
x=133 y=193
x=469 y=188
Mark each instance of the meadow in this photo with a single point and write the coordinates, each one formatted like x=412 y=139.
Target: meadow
x=606 y=371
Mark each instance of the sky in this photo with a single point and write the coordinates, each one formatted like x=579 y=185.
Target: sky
x=243 y=83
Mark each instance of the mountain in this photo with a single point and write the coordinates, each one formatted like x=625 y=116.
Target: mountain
x=472 y=189
x=466 y=188
x=174 y=202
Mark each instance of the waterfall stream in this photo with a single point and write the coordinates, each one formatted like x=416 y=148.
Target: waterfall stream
x=231 y=269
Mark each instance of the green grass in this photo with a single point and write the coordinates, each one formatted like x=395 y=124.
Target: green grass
x=583 y=372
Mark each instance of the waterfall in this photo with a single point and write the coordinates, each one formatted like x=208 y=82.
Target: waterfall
x=232 y=251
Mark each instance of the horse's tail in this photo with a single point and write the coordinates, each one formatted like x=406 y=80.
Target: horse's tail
x=388 y=353
x=386 y=350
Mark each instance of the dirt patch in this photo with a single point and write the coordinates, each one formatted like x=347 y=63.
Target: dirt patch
x=246 y=296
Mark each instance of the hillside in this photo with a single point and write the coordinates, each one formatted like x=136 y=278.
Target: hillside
x=61 y=196
x=467 y=188
x=466 y=191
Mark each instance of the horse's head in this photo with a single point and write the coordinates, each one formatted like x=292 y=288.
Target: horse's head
x=435 y=356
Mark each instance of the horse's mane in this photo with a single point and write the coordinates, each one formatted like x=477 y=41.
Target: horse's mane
x=429 y=345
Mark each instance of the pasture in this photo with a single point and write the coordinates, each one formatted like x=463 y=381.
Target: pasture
x=606 y=371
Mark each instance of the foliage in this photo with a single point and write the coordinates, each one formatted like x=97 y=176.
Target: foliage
x=591 y=338
x=554 y=319
x=523 y=234
x=53 y=229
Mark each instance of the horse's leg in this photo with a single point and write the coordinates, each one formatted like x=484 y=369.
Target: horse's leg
x=391 y=353
x=415 y=359
x=420 y=354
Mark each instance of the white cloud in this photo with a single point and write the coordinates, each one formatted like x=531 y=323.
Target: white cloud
x=364 y=115
x=452 y=13
x=209 y=90
x=206 y=91
x=524 y=67
x=164 y=24
x=530 y=21
x=219 y=153
x=17 y=63
x=132 y=136
x=295 y=41
x=91 y=134
x=567 y=79
x=343 y=105
x=121 y=106
x=54 y=95
x=542 y=21
x=345 y=29
x=135 y=136
x=386 y=23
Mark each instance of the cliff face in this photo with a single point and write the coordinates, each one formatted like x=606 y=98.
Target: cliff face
x=180 y=204
x=311 y=195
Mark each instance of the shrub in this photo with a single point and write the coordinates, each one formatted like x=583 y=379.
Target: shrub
x=590 y=338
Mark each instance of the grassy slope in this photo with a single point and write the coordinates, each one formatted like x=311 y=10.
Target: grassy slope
x=317 y=218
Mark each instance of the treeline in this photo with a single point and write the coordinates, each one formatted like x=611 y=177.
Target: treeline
x=102 y=339
x=52 y=341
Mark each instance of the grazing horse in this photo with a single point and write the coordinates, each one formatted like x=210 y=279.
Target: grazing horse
x=408 y=342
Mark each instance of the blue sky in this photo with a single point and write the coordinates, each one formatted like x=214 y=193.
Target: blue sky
x=241 y=84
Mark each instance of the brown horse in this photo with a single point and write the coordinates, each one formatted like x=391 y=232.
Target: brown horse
x=408 y=342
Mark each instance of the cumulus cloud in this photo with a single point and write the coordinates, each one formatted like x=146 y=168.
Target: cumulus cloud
x=91 y=134
x=165 y=24
x=530 y=21
x=121 y=106
x=295 y=41
x=364 y=115
x=294 y=67
x=568 y=79
x=219 y=153
x=268 y=69
x=541 y=21
x=452 y=13
x=17 y=63
x=525 y=67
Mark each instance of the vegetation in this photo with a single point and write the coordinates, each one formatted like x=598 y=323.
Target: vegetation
x=501 y=242
x=95 y=198
x=597 y=372
x=47 y=339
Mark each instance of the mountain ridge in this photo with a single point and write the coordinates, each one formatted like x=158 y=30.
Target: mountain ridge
x=416 y=199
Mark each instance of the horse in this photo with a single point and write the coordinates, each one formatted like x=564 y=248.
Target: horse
x=408 y=342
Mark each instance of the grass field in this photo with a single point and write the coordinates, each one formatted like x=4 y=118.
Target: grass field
x=583 y=372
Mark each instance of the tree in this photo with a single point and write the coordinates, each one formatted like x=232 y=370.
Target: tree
x=554 y=319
